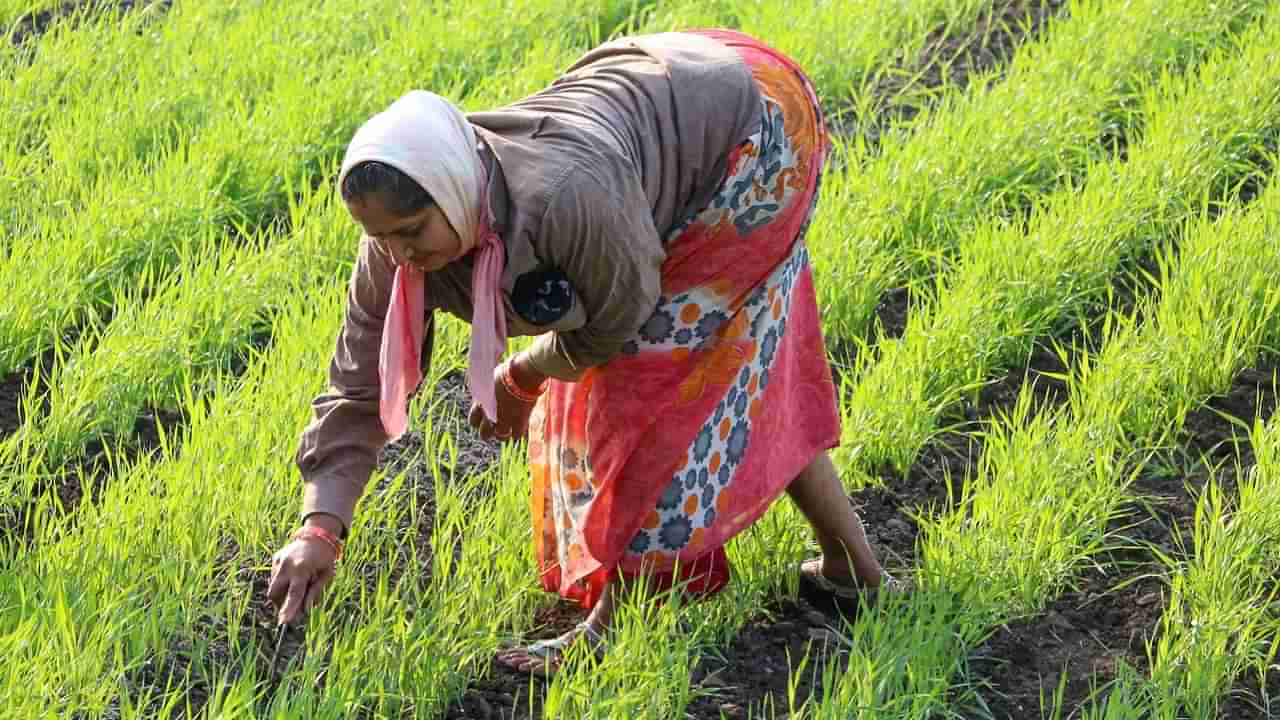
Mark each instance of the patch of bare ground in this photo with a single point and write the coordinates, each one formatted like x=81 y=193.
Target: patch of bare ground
x=950 y=57
x=31 y=26
x=13 y=388
x=1114 y=609
x=84 y=479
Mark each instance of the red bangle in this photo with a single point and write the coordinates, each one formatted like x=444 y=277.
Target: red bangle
x=311 y=531
x=515 y=390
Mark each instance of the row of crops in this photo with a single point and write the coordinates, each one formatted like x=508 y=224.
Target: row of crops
x=171 y=244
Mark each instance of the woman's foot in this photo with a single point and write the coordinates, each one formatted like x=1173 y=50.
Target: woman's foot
x=543 y=658
x=841 y=590
x=822 y=500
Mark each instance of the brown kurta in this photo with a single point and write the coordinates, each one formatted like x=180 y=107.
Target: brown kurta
x=593 y=173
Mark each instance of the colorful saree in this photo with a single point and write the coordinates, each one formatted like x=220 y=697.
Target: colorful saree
x=652 y=462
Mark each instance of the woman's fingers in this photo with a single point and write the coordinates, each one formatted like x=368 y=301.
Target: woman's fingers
x=299 y=574
x=503 y=431
x=316 y=589
x=298 y=587
x=481 y=423
x=279 y=584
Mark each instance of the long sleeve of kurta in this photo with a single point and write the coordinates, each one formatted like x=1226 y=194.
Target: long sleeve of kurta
x=599 y=230
x=339 y=448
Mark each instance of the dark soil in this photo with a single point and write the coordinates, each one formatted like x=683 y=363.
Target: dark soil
x=1114 y=610
x=949 y=59
x=11 y=391
x=84 y=479
x=1106 y=619
x=751 y=673
x=31 y=26
x=936 y=479
x=754 y=671
x=13 y=387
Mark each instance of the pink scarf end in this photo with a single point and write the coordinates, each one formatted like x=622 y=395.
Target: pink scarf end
x=400 y=357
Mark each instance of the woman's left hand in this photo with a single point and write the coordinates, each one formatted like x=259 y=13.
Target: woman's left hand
x=513 y=413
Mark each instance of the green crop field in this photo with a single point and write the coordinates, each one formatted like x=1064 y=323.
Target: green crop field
x=1048 y=263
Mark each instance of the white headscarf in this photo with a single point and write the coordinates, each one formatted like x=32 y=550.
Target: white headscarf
x=426 y=137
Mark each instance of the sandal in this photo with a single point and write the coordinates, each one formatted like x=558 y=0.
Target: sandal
x=550 y=652
x=843 y=597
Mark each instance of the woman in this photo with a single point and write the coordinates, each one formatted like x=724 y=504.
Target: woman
x=644 y=217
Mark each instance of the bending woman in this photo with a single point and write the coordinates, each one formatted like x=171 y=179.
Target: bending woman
x=644 y=217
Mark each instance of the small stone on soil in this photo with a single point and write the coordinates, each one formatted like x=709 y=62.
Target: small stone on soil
x=822 y=635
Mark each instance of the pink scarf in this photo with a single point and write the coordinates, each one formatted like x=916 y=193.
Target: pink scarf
x=429 y=139
x=400 y=360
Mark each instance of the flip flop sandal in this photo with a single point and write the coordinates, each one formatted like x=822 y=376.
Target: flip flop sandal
x=843 y=597
x=551 y=651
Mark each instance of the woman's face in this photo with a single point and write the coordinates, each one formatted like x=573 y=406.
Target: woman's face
x=424 y=239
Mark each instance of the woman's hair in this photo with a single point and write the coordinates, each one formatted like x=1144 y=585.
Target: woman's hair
x=402 y=196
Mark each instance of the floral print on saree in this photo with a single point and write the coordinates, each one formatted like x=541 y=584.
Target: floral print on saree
x=653 y=461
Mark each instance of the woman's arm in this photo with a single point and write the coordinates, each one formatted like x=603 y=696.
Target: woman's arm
x=339 y=448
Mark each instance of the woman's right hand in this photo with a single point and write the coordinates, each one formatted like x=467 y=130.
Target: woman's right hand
x=300 y=571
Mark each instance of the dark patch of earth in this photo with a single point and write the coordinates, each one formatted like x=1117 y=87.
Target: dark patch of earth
x=84 y=479
x=13 y=387
x=949 y=58
x=1114 y=610
x=31 y=26
x=11 y=391
x=753 y=672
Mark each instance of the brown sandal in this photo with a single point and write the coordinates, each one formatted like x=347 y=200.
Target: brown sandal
x=546 y=655
x=843 y=597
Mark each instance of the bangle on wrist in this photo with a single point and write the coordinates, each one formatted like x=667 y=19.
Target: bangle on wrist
x=517 y=392
x=342 y=526
x=311 y=531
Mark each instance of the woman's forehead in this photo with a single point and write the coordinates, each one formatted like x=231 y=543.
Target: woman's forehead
x=377 y=219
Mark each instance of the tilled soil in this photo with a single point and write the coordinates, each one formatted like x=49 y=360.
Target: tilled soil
x=1114 y=610
x=11 y=387
x=949 y=59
